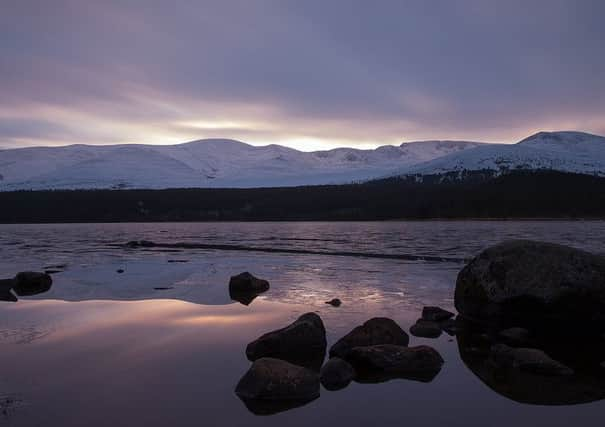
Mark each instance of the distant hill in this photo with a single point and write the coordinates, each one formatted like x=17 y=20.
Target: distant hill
x=575 y=152
x=211 y=163
x=223 y=163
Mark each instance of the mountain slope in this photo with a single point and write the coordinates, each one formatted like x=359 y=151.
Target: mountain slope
x=566 y=151
x=205 y=163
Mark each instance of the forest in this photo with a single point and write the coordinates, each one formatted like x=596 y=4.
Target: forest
x=520 y=194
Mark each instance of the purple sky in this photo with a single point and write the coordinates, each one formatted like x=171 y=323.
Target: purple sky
x=308 y=74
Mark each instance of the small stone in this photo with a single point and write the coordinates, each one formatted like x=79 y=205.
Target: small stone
x=303 y=342
x=378 y=330
x=334 y=302
x=392 y=361
x=120 y=271
x=336 y=374
x=275 y=379
x=246 y=282
x=436 y=314
x=426 y=329
x=31 y=283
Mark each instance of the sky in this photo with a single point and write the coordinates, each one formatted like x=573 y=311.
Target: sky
x=310 y=74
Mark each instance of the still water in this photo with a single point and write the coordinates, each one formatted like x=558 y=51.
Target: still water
x=161 y=342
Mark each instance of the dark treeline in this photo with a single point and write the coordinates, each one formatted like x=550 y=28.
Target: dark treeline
x=515 y=195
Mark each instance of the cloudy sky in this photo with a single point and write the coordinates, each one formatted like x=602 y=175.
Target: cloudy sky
x=307 y=74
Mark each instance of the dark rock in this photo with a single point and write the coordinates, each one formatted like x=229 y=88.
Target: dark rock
x=449 y=326
x=334 y=302
x=178 y=260
x=426 y=329
x=275 y=379
x=514 y=336
x=163 y=288
x=382 y=362
x=336 y=374
x=31 y=283
x=5 y=290
x=244 y=298
x=541 y=282
x=303 y=342
x=528 y=359
x=378 y=330
x=436 y=314
x=53 y=271
x=120 y=270
x=246 y=282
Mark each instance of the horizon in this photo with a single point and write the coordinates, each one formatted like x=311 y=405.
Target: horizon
x=310 y=150
x=306 y=76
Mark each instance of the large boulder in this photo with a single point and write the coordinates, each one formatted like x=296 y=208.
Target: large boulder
x=336 y=374
x=303 y=342
x=378 y=330
x=31 y=283
x=246 y=282
x=275 y=379
x=533 y=280
x=386 y=361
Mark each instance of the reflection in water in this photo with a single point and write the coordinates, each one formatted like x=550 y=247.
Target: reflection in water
x=272 y=407
x=583 y=355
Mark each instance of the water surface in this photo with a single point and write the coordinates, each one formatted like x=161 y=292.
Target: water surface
x=162 y=343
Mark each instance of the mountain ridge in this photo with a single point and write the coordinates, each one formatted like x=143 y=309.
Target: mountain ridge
x=223 y=163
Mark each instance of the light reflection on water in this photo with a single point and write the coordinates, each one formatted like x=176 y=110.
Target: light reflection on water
x=104 y=348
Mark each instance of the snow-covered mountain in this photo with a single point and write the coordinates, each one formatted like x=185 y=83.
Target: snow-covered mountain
x=206 y=163
x=229 y=163
x=562 y=151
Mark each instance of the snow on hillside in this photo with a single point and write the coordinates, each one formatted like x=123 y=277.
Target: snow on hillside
x=228 y=163
x=205 y=163
x=562 y=151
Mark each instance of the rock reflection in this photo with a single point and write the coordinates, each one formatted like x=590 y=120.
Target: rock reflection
x=479 y=346
x=271 y=407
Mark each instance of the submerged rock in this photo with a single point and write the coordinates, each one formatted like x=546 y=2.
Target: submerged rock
x=336 y=374
x=246 y=282
x=378 y=330
x=533 y=280
x=426 y=329
x=386 y=361
x=528 y=359
x=334 y=302
x=31 y=283
x=275 y=379
x=303 y=342
x=436 y=314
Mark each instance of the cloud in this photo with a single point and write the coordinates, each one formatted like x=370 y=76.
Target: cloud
x=301 y=73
